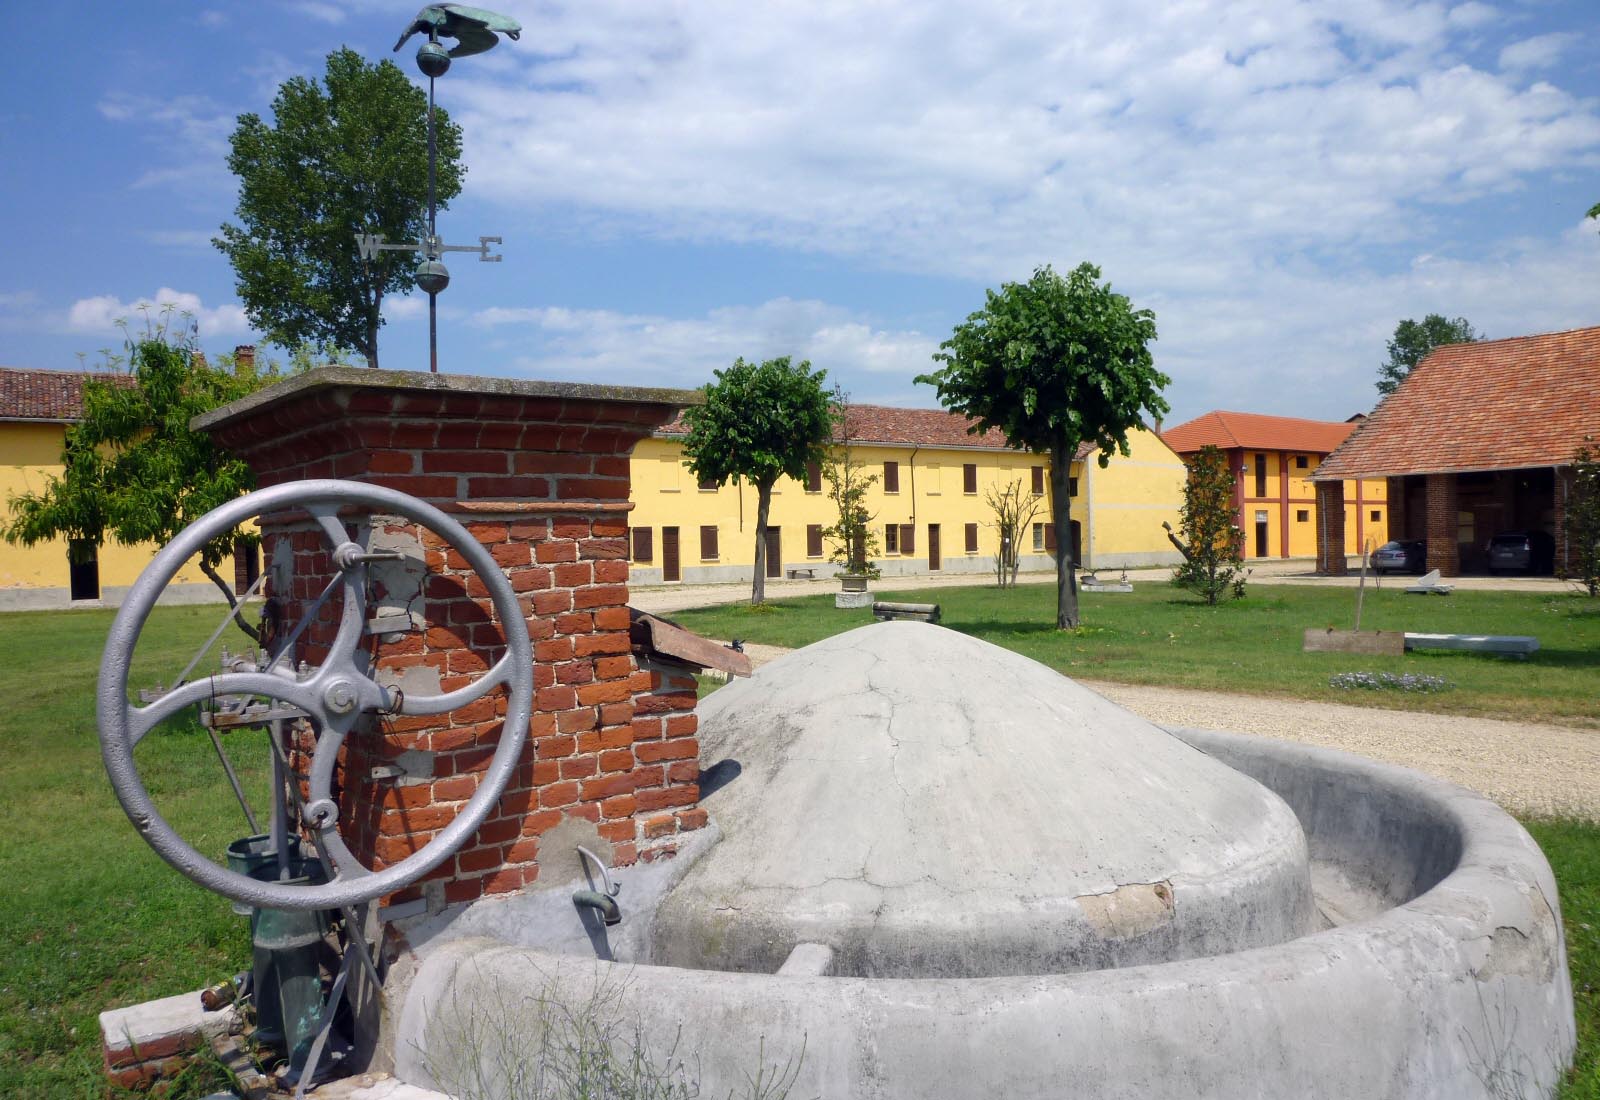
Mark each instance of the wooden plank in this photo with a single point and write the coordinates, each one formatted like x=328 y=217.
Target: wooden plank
x=1327 y=640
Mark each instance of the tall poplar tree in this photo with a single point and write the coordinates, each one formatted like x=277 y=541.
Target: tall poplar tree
x=342 y=158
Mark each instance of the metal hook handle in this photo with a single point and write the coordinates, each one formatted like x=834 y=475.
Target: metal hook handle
x=612 y=890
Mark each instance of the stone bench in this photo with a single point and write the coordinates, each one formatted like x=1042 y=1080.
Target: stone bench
x=809 y=572
x=884 y=610
x=1509 y=645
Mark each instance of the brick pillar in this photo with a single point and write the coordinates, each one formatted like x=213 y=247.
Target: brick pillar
x=538 y=473
x=1330 y=529
x=1565 y=482
x=1394 y=494
x=1443 y=524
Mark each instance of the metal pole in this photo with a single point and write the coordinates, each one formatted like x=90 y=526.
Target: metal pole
x=433 y=299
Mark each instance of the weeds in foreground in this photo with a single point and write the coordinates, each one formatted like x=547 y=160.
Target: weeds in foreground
x=560 y=1044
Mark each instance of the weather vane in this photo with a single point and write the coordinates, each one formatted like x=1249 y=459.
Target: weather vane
x=475 y=31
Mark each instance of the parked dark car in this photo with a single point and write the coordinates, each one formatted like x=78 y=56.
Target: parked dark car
x=1522 y=552
x=1400 y=556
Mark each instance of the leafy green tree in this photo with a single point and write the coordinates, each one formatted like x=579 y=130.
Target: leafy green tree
x=759 y=423
x=1583 y=518
x=1413 y=340
x=1212 y=544
x=854 y=543
x=134 y=470
x=336 y=162
x=1054 y=362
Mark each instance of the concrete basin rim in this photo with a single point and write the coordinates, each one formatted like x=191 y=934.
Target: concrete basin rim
x=1493 y=845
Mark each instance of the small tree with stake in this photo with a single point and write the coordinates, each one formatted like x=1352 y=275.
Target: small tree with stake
x=854 y=543
x=133 y=469
x=1212 y=545
x=1583 y=518
x=1013 y=511
x=760 y=423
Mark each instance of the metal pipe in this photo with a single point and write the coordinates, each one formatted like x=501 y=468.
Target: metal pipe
x=605 y=905
x=605 y=873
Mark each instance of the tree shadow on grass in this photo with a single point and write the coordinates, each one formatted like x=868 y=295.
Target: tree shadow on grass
x=988 y=628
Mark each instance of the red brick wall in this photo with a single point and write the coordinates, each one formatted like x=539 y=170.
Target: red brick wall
x=1395 y=495
x=543 y=483
x=1330 y=529
x=1566 y=480
x=1443 y=552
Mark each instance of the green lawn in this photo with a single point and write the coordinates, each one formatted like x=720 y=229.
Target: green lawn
x=90 y=918
x=1159 y=635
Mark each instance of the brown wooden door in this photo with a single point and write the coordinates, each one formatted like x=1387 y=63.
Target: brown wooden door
x=933 y=547
x=669 y=555
x=774 y=551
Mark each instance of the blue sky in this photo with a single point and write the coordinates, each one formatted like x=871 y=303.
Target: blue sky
x=678 y=184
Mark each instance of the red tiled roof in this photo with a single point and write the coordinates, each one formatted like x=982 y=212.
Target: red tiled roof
x=1256 y=432
x=908 y=428
x=1491 y=405
x=52 y=395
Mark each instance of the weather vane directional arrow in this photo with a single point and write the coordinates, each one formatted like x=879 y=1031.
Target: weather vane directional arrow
x=475 y=30
x=370 y=244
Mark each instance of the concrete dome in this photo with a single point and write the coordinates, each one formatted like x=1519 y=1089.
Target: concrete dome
x=929 y=805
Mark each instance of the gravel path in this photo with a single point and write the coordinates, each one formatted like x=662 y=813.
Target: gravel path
x=1525 y=767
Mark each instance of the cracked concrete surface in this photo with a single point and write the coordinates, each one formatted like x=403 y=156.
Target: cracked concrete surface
x=927 y=803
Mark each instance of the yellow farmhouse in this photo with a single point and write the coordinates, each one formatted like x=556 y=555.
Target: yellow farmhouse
x=928 y=505
x=1272 y=459
x=36 y=408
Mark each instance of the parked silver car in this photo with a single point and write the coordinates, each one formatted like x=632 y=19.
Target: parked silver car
x=1401 y=556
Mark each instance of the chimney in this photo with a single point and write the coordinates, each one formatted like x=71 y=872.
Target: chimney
x=244 y=359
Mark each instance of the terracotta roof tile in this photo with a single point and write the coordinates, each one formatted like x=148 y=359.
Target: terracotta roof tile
x=1491 y=405
x=907 y=427
x=52 y=395
x=1256 y=432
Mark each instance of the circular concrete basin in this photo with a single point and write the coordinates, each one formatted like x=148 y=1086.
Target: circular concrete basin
x=1428 y=962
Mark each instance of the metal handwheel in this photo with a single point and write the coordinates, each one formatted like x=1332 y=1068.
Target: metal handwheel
x=334 y=695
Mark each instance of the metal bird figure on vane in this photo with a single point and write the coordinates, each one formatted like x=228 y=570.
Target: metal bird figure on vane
x=474 y=29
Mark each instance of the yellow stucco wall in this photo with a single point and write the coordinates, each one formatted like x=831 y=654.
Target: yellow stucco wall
x=1285 y=476
x=1128 y=501
x=37 y=576
x=1130 y=498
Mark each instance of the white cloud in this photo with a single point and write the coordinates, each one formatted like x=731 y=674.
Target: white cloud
x=683 y=351
x=190 y=134
x=1294 y=341
x=1539 y=52
x=100 y=314
x=1472 y=15
x=405 y=308
x=323 y=13
x=1172 y=143
x=1303 y=342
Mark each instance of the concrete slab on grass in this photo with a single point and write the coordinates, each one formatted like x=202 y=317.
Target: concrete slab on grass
x=1507 y=645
